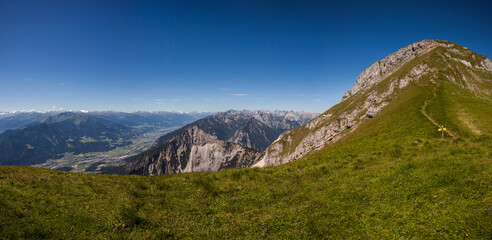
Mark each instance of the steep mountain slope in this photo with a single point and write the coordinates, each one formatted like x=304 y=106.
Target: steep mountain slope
x=54 y=135
x=445 y=67
x=192 y=150
x=239 y=136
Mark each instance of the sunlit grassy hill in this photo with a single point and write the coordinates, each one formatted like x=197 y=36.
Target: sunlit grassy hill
x=393 y=177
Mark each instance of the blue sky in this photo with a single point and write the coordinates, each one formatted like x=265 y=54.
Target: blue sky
x=211 y=55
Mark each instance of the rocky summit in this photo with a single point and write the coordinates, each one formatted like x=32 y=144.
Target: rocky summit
x=380 y=84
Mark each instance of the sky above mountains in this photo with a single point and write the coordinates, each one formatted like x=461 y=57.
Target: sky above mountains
x=211 y=55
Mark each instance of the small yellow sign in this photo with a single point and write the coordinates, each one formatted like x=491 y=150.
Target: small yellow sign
x=442 y=129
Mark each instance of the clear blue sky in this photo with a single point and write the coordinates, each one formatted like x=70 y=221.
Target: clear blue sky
x=211 y=55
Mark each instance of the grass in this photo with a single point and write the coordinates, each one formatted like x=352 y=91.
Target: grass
x=351 y=194
x=394 y=177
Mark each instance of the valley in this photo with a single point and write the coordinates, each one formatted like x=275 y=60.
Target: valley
x=96 y=162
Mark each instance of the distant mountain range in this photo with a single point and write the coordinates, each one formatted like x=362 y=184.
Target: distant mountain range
x=145 y=119
x=54 y=135
x=38 y=137
x=230 y=139
x=17 y=120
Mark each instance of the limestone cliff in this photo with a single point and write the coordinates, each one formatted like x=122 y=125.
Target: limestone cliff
x=193 y=150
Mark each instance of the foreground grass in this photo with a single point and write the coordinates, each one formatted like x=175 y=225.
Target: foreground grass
x=442 y=193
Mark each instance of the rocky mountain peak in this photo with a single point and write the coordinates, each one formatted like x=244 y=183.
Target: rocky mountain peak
x=381 y=69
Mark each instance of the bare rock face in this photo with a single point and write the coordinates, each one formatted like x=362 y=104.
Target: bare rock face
x=193 y=150
x=369 y=95
x=381 y=69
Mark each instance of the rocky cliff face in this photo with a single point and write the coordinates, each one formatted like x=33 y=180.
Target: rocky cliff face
x=376 y=87
x=193 y=150
x=232 y=139
x=381 y=69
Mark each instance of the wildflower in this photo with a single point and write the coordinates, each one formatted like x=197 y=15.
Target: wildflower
x=124 y=225
x=467 y=234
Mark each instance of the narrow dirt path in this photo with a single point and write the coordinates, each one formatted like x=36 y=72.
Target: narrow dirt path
x=430 y=119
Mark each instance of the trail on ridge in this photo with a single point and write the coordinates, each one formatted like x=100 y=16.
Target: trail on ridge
x=432 y=120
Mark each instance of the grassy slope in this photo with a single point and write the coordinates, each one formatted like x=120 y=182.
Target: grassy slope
x=393 y=177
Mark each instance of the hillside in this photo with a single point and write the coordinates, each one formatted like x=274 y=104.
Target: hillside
x=393 y=176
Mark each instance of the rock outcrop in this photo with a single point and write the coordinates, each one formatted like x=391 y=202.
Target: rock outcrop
x=381 y=69
x=193 y=150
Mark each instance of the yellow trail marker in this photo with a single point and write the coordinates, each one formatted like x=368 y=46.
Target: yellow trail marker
x=442 y=129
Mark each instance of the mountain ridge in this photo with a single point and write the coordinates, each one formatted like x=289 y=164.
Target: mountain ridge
x=377 y=86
